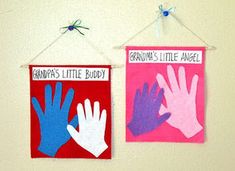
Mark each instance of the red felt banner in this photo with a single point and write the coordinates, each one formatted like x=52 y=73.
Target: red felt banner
x=70 y=111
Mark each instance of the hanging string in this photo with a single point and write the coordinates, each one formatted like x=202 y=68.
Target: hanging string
x=208 y=46
x=122 y=46
x=41 y=52
x=74 y=26
x=101 y=53
x=161 y=14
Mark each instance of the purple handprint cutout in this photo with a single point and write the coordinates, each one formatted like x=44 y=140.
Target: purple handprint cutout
x=146 y=116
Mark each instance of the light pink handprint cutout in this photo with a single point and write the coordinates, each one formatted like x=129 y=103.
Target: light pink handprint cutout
x=180 y=102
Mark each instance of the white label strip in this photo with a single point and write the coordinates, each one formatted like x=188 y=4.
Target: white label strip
x=70 y=73
x=165 y=56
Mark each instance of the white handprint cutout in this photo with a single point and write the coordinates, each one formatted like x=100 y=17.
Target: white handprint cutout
x=91 y=128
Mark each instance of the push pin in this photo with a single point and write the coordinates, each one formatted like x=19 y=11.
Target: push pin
x=76 y=25
x=165 y=12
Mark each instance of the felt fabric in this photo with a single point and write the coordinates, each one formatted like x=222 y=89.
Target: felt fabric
x=56 y=91
x=177 y=116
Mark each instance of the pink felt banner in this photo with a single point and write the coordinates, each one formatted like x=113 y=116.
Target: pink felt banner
x=165 y=94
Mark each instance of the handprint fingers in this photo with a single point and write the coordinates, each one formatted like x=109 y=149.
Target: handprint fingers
x=182 y=79
x=96 y=110
x=163 y=84
x=88 y=109
x=172 y=79
x=193 y=90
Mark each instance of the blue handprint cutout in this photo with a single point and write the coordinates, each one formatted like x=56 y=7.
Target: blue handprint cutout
x=54 y=120
x=146 y=116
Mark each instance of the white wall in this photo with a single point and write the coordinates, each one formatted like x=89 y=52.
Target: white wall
x=27 y=26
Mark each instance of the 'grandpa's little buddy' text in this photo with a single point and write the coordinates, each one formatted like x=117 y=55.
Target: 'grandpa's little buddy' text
x=70 y=73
